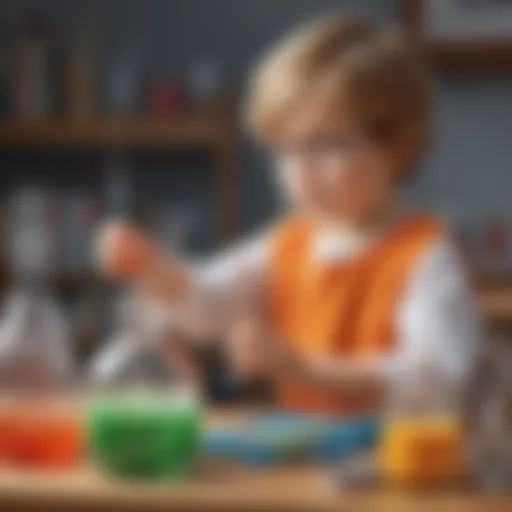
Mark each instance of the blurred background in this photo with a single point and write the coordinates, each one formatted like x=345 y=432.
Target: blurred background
x=130 y=107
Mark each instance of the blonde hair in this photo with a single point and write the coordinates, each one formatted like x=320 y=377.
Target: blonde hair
x=373 y=73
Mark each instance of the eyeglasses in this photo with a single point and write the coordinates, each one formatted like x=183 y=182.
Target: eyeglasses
x=333 y=149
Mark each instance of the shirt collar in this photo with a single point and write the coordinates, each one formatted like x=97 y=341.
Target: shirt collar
x=337 y=244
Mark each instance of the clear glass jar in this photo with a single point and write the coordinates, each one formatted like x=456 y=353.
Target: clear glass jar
x=488 y=417
x=144 y=415
x=421 y=440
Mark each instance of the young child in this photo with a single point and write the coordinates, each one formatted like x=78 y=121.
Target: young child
x=354 y=287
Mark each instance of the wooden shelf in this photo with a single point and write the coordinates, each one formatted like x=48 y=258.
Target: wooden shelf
x=211 y=130
x=494 y=295
x=456 y=56
x=191 y=130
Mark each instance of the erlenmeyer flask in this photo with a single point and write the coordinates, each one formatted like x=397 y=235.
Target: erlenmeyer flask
x=144 y=416
x=38 y=413
x=39 y=416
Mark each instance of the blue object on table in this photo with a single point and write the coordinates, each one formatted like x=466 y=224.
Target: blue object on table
x=272 y=438
x=342 y=438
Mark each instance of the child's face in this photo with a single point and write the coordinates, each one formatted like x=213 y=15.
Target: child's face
x=330 y=170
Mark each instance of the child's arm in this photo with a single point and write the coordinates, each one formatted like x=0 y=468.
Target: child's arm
x=203 y=297
x=255 y=351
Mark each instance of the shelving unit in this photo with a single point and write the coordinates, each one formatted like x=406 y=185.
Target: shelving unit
x=209 y=131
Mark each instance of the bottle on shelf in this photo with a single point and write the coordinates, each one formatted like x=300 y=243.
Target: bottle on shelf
x=32 y=88
x=81 y=73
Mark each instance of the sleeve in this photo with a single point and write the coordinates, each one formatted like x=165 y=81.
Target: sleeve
x=437 y=317
x=226 y=283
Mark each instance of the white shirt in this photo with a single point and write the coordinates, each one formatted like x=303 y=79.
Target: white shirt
x=435 y=317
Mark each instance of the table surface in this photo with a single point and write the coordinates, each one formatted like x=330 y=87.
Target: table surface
x=227 y=489
x=224 y=487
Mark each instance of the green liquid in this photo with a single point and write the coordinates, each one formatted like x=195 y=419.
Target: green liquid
x=144 y=436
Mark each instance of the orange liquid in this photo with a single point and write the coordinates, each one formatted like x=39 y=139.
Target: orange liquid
x=421 y=450
x=36 y=434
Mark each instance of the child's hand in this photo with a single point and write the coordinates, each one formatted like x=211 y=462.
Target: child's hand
x=180 y=358
x=244 y=347
x=122 y=252
x=255 y=351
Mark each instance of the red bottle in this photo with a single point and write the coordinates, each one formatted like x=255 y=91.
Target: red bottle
x=165 y=98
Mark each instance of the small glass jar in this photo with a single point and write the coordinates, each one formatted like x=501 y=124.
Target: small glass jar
x=421 y=442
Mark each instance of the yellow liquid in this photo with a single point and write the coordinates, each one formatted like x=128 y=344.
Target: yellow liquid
x=421 y=450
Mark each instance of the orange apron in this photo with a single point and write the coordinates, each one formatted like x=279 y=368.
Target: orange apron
x=344 y=309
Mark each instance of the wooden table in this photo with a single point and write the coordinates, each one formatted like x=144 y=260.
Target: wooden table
x=287 y=489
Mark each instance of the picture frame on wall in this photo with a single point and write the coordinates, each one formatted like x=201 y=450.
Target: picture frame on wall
x=463 y=35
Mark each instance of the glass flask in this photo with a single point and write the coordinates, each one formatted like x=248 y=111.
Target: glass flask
x=144 y=415
x=39 y=414
x=421 y=441
x=488 y=417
